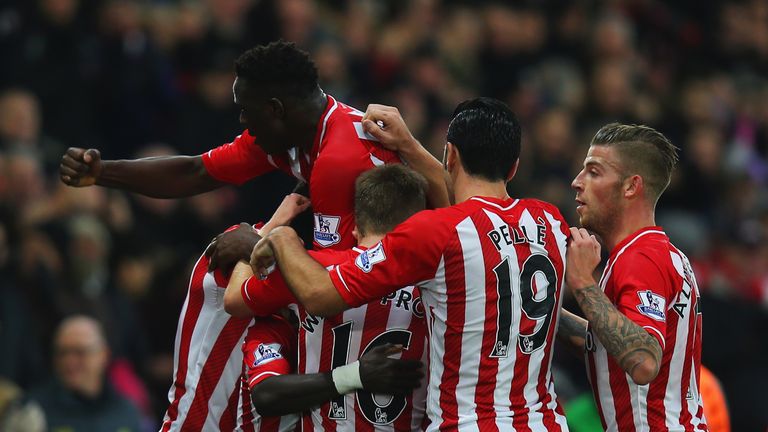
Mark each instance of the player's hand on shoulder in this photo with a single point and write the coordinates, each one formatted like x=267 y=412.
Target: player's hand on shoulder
x=80 y=167
x=582 y=258
x=381 y=374
x=386 y=124
x=262 y=257
x=229 y=247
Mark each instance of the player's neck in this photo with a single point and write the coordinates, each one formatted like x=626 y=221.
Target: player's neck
x=311 y=113
x=370 y=240
x=466 y=186
x=630 y=222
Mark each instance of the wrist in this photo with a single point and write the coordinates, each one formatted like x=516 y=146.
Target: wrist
x=581 y=284
x=409 y=148
x=346 y=378
x=102 y=174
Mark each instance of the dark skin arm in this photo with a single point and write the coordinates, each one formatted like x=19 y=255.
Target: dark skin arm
x=285 y=394
x=636 y=351
x=156 y=177
x=308 y=280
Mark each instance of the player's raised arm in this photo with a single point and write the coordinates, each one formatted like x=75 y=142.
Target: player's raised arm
x=157 y=177
x=387 y=125
x=374 y=372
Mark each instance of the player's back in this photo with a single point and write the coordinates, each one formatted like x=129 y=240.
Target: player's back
x=206 y=391
x=493 y=306
x=652 y=282
x=326 y=343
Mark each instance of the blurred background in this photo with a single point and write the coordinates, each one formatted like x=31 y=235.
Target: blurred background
x=153 y=77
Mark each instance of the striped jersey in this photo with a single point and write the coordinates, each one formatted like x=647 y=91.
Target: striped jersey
x=491 y=277
x=651 y=282
x=327 y=343
x=269 y=350
x=206 y=393
x=340 y=153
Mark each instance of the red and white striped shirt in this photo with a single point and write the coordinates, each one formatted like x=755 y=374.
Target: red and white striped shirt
x=206 y=393
x=651 y=282
x=327 y=343
x=491 y=277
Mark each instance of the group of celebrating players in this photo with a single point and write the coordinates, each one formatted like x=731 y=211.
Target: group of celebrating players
x=431 y=299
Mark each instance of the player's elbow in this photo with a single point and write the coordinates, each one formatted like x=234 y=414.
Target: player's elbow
x=234 y=305
x=265 y=402
x=645 y=372
x=318 y=305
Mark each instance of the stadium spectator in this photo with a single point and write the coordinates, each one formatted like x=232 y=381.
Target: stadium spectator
x=81 y=398
x=643 y=320
x=490 y=271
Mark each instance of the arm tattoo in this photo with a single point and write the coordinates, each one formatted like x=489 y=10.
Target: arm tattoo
x=626 y=341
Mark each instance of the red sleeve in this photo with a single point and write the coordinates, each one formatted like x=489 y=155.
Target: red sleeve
x=268 y=349
x=393 y=263
x=643 y=293
x=238 y=161
x=265 y=297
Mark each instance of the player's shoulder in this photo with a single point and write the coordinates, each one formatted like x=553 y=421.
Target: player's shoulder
x=344 y=123
x=539 y=206
x=647 y=248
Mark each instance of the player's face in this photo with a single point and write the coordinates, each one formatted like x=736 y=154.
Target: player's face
x=598 y=189
x=257 y=116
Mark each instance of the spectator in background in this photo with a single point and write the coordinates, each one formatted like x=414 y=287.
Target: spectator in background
x=81 y=398
x=17 y=413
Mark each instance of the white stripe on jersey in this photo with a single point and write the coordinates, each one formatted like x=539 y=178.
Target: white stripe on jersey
x=673 y=405
x=560 y=238
x=325 y=122
x=362 y=134
x=208 y=327
x=506 y=371
x=474 y=324
x=530 y=392
x=639 y=401
x=604 y=386
x=435 y=305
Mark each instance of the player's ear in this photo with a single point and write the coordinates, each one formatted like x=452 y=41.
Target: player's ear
x=356 y=234
x=513 y=171
x=451 y=157
x=633 y=186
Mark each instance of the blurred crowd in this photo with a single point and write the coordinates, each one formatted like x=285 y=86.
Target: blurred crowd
x=137 y=78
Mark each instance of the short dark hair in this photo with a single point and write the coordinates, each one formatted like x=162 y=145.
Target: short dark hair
x=642 y=150
x=387 y=195
x=487 y=135
x=279 y=67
